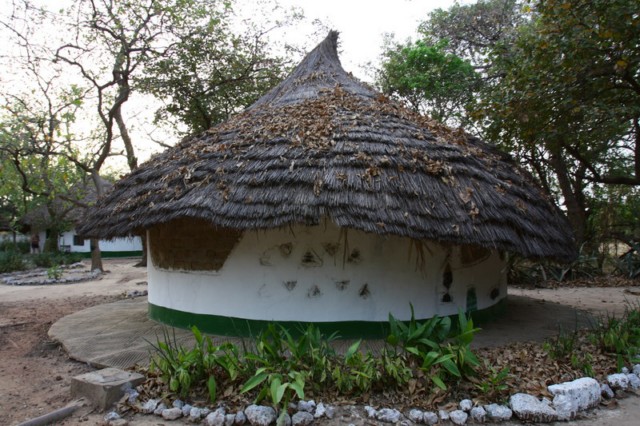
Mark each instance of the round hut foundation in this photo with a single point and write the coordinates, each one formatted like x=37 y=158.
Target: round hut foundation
x=346 y=281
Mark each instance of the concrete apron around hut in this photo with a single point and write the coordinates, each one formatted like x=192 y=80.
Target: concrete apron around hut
x=342 y=280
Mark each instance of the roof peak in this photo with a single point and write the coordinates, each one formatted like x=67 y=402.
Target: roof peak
x=319 y=70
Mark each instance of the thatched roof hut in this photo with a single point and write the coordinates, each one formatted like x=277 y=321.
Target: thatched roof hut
x=322 y=147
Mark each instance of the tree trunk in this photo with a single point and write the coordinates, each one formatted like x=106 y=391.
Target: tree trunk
x=576 y=210
x=132 y=160
x=96 y=258
x=143 y=261
x=51 y=242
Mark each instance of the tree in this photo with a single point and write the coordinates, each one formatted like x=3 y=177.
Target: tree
x=472 y=31
x=429 y=79
x=115 y=46
x=571 y=86
x=210 y=72
x=37 y=186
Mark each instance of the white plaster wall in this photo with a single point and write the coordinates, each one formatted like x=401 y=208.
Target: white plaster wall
x=251 y=284
x=117 y=244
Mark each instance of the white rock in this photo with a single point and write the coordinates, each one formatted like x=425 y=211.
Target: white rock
x=177 y=404
x=307 y=406
x=240 y=419
x=150 y=406
x=186 y=409
x=634 y=381
x=618 y=381
x=371 y=412
x=458 y=417
x=133 y=396
x=430 y=418
x=195 y=414
x=205 y=412
x=529 y=408
x=320 y=411
x=444 y=415
x=112 y=415
x=466 y=405
x=498 y=412
x=331 y=411
x=229 y=419
x=388 y=415
x=569 y=398
x=606 y=391
x=159 y=409
x=302 y=418
x=478 y=414
x=624 y=370
x=416 y=416
x=216 y=418
x=636 y=369
x=172 y=413
x=259 y=415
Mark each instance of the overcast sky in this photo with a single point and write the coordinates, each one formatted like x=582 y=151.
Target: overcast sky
x=362 y=23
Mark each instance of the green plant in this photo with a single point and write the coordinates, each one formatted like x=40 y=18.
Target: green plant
x=583 y=362
x=418 y=337
x=629 y=263
x=50 y=259
x=464 y=360
x=443 y=350
x=54 y=272
x=561 y=346
x=620 y=336
x=21 y=247
x=11 y=261
x=281 y=368
x=494 y=381
x=179 y=367
x=279 y=388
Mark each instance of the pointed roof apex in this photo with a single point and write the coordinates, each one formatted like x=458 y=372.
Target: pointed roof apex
x=319 y=70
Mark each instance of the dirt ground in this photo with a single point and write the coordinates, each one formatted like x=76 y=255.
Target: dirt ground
x=35 y=373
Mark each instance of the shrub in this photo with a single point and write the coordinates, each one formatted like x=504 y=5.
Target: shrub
x=278 y=367
x=18 y=247
x=50 y=259
x=11 y=261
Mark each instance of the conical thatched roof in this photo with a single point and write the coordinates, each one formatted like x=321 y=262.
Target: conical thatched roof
x=324 y=145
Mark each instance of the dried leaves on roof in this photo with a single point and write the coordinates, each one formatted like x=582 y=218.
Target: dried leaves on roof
x=323 y=145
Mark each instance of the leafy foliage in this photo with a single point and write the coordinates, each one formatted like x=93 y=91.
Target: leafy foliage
x=279 y=367
x=431 y=80
x=212 y=71
x=443 y=351
x=11 y=261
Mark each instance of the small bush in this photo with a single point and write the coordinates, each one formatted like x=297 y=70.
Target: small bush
x=11 y=261
x=18 y=247
x=48 y=260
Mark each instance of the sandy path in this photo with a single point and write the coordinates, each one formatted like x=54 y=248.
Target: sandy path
x=121 y=276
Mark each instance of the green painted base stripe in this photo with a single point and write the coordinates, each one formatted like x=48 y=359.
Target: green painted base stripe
x=111 y=254
x=230 y=326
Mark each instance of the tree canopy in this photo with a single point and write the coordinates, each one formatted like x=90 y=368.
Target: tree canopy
x=429 y=79
x=558 y=88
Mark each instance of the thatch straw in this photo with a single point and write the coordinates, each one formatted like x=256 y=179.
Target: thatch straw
x=322 y=144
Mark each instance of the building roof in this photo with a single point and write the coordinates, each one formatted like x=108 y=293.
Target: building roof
x=324 y=145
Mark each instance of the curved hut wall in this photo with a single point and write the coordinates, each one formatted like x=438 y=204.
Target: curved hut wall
x=343 y=281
